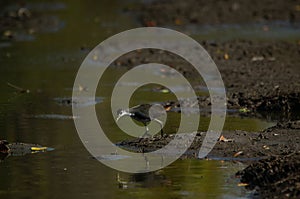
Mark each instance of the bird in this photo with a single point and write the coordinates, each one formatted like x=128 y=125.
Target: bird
x=141 y=114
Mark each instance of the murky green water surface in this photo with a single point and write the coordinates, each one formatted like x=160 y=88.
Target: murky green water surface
x=46 y=63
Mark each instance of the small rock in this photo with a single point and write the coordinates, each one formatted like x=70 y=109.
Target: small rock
x=257 y=58
x=8 y=34
x=24 y=12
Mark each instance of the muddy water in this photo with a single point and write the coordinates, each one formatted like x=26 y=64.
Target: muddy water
x=46 y=64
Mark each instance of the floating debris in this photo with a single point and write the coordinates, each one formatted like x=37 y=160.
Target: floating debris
x=20 y=149
x=17 y=149
x=112 y=157
x=19 y=89
x=78 y=102
x=38 y=148
x=165 y=90
x=56 y=116
x=41 y=149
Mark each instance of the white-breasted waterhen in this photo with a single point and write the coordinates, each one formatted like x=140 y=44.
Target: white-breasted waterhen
x=141 y=113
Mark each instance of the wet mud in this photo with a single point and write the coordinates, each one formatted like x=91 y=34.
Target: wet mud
x=176 y=12
x=259 y=76
x=272 y=156
x=241 y=145
x=275 y=177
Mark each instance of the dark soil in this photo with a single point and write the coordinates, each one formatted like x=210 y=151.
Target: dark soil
x=259 y=75
x=262 y=76
x=270 y=84
x=279 y=140
x=277 y=174
x=177 y=12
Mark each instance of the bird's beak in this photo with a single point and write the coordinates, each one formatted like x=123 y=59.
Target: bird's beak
x=119 y=116
x=122 y=114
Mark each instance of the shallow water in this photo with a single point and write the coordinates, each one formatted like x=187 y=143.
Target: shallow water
x=47 y=64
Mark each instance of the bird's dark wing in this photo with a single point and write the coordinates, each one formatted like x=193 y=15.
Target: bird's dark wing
x=142 y=109
x=141 y=113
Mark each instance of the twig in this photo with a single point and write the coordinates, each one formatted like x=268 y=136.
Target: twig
x=21 y=90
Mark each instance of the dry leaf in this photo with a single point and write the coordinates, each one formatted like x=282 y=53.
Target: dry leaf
x=223 y=139
x=178 y=22
x=226 y=56
x=150 y=23
x=242 y=184
x=238 y=153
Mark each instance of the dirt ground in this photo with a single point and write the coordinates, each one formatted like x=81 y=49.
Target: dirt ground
x=258 y=75
x=240 y=145
x=268 y=84
x=167 y=12
x=275 y=177
x=272 y=155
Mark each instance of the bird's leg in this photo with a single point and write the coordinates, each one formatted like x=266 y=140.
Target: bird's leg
x=161 y=126
x=147 y=162
x=162 y=161
x=147 y=132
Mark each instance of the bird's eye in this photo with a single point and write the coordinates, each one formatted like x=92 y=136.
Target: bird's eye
x=119 y=111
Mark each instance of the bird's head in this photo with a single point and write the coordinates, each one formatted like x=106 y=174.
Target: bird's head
x=122 y=113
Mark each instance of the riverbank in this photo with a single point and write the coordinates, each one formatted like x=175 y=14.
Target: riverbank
x=272 y=156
